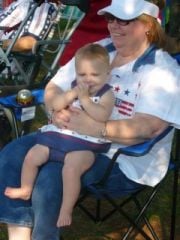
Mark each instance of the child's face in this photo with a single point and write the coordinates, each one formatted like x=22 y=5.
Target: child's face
x=93 y=73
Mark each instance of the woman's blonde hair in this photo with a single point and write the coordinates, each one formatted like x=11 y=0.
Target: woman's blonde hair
x=93 y=52
x=156 y=35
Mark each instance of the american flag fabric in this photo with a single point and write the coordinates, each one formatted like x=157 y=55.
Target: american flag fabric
x=124 y=107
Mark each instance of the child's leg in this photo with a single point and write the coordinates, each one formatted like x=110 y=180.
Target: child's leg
x=35 y=157
x=75 y=164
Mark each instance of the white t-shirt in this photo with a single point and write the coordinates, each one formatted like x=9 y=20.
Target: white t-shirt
x=153 y=89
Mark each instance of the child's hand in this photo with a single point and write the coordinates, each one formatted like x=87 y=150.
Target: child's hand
x=82 y=91
x=74 y=93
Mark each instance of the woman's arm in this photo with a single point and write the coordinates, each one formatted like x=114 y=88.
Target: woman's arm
x=128 y=131
x=137 y=129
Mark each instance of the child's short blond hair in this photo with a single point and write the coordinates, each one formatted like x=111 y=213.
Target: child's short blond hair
x=93 y=52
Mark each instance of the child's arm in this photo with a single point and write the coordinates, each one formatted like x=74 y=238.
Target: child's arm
x=56 y=99
x=99 y=111
x=64 y=99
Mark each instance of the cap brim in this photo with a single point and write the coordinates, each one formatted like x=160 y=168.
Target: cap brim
x=119 y=14
x=128 y=13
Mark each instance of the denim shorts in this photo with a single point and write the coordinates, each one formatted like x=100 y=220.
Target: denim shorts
x=41 y=212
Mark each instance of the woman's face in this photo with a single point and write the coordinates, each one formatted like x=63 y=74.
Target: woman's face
x=129 y=36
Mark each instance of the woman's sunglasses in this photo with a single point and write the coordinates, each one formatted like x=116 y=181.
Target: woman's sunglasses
x=110 y=19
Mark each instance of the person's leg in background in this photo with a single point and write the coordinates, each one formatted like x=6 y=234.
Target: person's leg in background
x=18 y=233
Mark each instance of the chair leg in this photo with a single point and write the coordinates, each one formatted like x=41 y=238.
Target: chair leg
x=13 y=122
x=174 y=203
x=131 y=221
x=98 y=210
x=141 y=215
x=148 y=224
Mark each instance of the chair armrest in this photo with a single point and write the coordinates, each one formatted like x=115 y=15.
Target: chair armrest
x=141 y=149
x=48 y=43
x=177 y=57
x=10 y=101
x=136 y=150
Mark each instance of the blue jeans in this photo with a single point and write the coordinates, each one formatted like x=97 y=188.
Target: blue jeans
x=42 y=211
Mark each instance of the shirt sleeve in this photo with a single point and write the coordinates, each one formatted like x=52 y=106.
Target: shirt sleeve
x=159 y=93
x=65 y=75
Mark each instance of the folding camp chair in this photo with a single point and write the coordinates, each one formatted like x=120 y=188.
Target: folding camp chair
x=18 y=113
x=27 y=64
x=99 y=192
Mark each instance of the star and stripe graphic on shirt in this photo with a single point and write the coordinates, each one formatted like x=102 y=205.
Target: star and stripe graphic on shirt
x=124 y=106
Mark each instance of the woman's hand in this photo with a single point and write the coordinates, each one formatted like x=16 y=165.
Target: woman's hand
x=80 y=122
x=77 y=120
x=60 y=118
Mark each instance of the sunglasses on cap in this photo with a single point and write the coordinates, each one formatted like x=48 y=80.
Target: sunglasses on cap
x=110 y=19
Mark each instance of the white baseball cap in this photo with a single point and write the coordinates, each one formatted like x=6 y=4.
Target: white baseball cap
x=130 y=9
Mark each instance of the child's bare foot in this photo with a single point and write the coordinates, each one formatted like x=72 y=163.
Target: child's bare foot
x=17 y=193
x=64 y=219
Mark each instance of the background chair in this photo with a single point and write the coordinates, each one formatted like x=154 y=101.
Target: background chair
x=46 y=52
x=35 y=68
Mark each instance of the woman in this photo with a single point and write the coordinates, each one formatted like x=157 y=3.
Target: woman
x=145 y=82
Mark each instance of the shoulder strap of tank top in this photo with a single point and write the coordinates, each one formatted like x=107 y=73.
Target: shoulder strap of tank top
x=104 y=89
